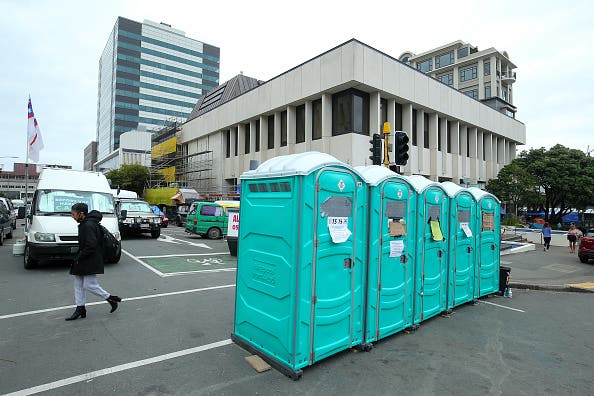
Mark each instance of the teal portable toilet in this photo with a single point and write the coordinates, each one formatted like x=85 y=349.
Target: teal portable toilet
x=301 y=260
x=488 y=228
x=391 y=253
x=462 y=263
x=430 y=249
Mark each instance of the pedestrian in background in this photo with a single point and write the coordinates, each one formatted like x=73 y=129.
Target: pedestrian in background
x=89 y=260
x=572 y=236
x=546 y=236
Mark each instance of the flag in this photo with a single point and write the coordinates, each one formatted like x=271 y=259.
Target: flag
x=34 y=140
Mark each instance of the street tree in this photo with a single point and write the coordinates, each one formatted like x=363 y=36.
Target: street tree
x=129 y=177
x=515 y=185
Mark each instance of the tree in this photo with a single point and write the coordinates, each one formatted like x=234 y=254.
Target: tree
x=129 y=177
x=565 y=177
x=514 y=184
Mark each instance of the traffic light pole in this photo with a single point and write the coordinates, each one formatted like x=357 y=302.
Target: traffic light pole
x=386 y=144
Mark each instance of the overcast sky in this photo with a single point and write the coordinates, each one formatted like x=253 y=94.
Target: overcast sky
x=51 y=50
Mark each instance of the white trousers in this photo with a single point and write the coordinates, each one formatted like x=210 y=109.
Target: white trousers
x=87 y=282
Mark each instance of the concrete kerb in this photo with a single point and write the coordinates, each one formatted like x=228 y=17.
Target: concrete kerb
x=557 y=288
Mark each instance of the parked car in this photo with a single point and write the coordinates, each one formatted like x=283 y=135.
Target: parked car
x=181 y=215
x=209 y=219
x=19 y=207
x=135 y=217
x=12 y=212
x=5 y=223
x=586 y=248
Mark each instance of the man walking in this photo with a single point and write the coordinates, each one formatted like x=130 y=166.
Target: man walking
x=89 y=261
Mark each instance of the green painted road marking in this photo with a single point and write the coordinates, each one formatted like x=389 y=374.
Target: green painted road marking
x=168 y=265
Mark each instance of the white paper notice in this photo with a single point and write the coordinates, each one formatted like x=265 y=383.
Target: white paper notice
x=466 y=229
x=339 y=229
x=396 y=248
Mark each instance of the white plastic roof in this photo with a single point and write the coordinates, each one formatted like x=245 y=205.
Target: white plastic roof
x=300 y=164
x=452 y=189
x=478 y=194
x=375 y=174
x=420 y=183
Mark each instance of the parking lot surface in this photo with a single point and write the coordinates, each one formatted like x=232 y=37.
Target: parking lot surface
x=171 y=334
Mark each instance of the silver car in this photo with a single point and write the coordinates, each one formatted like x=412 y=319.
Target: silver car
x=12 y=211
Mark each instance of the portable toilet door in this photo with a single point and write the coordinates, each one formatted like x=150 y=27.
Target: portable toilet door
x=489 y=240
x=431 y=249
x=462 y=268
x=301 y=260
x=391 y=221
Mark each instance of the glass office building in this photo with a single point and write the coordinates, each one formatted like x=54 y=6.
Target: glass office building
x=149 y=75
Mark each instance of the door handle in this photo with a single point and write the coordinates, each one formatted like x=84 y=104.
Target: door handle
x=468 y=249
x=439 y=253
x=348 y=263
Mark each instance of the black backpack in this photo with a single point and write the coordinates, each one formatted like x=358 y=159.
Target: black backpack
x=110 y=246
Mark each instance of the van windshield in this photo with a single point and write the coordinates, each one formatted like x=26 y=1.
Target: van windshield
x=50 y=202
x=136 y=206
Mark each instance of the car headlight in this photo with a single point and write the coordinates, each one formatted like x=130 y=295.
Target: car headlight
x=45 y=237
x=129 y=221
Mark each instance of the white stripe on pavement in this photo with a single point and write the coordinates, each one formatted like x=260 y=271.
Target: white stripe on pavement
x=118 y=368
x=198 y=271
x=502 y=306
x=143 y=263
x=15 y=315
x=183 y=255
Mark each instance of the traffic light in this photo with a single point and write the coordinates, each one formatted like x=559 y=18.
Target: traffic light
x=376 y=149
x=401 y=148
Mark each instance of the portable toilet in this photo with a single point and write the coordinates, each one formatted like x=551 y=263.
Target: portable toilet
x=301 y=260
x=462 y=268
x=430 y=249
x=488 y=243
x=391 y=222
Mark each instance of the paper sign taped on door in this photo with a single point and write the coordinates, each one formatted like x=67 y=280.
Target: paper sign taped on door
x=396 y=228
x=339 y=229
x=436 y=231
x=396 y=248
x=488 y=222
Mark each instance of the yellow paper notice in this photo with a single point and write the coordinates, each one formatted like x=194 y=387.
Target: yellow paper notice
x=436 y=231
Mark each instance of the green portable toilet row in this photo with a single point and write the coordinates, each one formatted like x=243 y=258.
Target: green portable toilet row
x=301 y=261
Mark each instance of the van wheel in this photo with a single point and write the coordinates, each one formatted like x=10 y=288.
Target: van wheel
x=214 y=233
x=156 y=233
x=2 y=237
x=9 y=235
x=30 y=263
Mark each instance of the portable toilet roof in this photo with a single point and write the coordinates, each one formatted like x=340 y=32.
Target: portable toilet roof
x=375 y=174
x=452 y=189
x=478 y=194
x=300 y=164
x=421 y=183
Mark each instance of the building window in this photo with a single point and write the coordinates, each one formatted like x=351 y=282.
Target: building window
x=384 y=112
x=398 y=116
x=283 y=141
x=426 y=130
x=414 y=127
x=236 y=148
x=487 y=91
x=300 y=121
x=468 y=73
x=473 y=93
x=444 y=59
x=350 y=112
x=439 y=134
x=504 y=93
x=462 y=52
x=257 y=135
x=247 y=137
x=487 y=67
x=425 y=66
x=271 y=131
x=448 y=137
x=227 y=143
x=316 y=119
x=447 y=78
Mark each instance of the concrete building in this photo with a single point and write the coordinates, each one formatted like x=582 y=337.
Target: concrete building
x=334 y=102
x=486 y=75
x=12 y=183
x=90 y=156
x=135 y=148
x=149 y=73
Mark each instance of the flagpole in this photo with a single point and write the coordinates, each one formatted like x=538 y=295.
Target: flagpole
x=27 y=163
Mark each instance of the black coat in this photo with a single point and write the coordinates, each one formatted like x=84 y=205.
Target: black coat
x=89 y=260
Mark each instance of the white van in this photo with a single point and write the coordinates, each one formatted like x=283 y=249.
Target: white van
x=51 y=233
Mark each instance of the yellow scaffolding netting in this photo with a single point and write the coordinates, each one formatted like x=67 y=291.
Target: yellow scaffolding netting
x=167 y=147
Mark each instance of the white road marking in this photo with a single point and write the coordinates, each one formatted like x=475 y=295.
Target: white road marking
x=167 y=238
x=506 y=262
x=118 y=368
x=502 y=306
x=176 y=293
x=143 y=263
x=183 y=255
x=198 y=271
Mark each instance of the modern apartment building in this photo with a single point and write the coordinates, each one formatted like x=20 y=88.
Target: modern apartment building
x=334 y=103
x=90 y=156
x=486 y=75
x=149 y=74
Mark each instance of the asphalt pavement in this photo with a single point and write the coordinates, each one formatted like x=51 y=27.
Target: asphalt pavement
x=170 y=335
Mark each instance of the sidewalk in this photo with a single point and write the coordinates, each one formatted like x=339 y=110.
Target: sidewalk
x=555 y=269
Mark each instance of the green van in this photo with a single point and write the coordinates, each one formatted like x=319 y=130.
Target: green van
x=209 y=218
